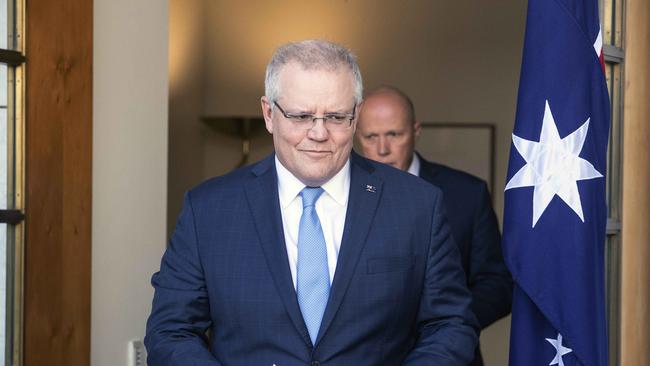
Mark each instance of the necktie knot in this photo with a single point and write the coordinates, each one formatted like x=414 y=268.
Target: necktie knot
x=310 y=195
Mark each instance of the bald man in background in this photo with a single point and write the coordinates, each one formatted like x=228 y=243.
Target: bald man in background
x=387 y=130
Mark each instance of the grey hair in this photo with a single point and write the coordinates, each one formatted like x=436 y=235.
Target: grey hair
x=311 y=55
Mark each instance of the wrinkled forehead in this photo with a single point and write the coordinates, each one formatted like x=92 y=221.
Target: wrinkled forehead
x=301 y=70
x=316 y=84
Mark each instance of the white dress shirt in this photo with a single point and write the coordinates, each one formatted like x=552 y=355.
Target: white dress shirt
x=414 y=168
x=330 y=207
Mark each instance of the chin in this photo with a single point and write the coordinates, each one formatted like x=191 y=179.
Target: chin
x=314 y=181
x=312 y=178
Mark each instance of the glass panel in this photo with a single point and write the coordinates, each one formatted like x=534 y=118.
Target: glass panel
x=9 y=31
x=613 y=76
x=3 y=136
x=7 y=136
x=11 y=15
x=3 y=293
x=4 y=10
x=608 y=79
x=615 y=143
x=606 y=18
x=618 y=23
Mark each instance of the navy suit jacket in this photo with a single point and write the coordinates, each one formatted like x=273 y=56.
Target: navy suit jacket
x=476 y=232
x=398 y=295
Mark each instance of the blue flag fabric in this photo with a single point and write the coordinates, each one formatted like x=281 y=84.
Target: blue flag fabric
x=555 y=211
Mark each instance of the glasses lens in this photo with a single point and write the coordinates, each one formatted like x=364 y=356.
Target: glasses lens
x=304 y=121
x=338 y=124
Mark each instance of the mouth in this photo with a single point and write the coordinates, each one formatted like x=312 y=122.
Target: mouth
x=316 y=153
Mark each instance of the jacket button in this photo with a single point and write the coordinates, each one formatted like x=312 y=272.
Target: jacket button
x=315 y=363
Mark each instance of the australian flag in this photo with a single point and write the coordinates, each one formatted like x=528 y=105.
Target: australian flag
x=555 y=210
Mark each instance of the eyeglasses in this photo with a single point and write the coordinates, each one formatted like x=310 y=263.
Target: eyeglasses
x=332 y=121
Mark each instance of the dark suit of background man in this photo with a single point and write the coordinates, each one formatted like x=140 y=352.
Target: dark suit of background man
x=387 y=130
x=366 y=275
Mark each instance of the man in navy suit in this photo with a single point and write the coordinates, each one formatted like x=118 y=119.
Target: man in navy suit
x=387 y=130
x=315 y=255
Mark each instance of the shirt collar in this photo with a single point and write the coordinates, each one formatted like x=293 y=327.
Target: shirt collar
x=338 y=187
x=415 y=165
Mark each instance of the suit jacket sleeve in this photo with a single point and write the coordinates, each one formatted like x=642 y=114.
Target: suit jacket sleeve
x=489 y=279
x=448 y=331
x=180 y=312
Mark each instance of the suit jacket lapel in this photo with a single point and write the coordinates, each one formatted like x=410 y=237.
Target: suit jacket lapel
x=428 y=171
x=365 y=191
x=262 y=195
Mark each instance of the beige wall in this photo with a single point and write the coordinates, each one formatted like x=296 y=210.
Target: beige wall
x=459 y=61
x=129 y=169
x=186 y=132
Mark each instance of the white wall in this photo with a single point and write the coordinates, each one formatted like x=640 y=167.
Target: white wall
x=130 y=90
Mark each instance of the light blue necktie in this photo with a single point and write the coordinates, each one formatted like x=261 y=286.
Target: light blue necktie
x=313 y=279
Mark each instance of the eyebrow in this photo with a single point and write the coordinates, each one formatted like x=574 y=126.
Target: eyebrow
x=296 y=110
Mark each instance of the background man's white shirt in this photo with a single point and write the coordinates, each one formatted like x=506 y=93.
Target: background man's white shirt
x=414 y=168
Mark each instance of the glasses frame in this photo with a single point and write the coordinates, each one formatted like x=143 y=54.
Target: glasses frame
x=325 y=118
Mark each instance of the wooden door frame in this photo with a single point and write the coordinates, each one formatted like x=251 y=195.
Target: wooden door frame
x=635 y=259
x=58 y=182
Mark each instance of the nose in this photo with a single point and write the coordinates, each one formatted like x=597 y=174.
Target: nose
x=383 y=148
x=319 y=132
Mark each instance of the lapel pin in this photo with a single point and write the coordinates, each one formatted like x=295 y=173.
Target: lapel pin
x=371 y=189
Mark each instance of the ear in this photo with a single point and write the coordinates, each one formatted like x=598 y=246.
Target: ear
x=267 y=112
x=355 y=121
x=416 y=129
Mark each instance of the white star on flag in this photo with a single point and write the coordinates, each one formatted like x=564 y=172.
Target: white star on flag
x=560 y=349
x=553 y=166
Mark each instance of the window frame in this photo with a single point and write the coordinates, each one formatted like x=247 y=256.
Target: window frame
x=613 y=26
x=13 y=216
